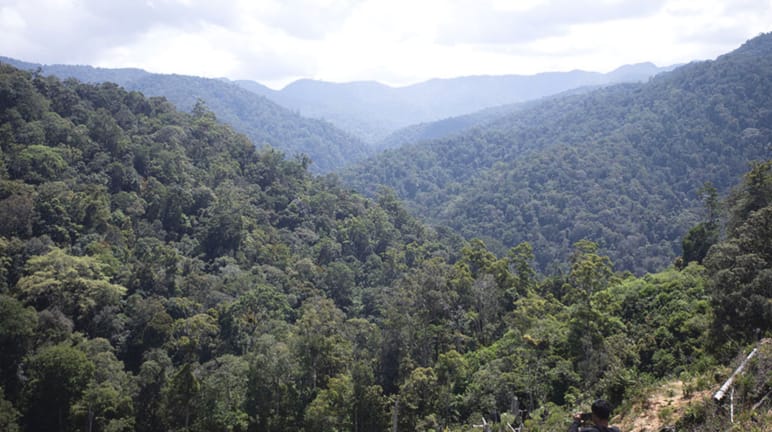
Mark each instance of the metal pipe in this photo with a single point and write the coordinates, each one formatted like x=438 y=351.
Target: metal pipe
x=724 y=388
x=731 y=406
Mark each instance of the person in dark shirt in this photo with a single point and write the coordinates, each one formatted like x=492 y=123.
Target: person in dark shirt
x=601 y=411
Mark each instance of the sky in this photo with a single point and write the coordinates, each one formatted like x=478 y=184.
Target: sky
x=396 y=42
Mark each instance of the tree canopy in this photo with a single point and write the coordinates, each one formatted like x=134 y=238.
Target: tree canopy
x=160 y=272
x=621 y=166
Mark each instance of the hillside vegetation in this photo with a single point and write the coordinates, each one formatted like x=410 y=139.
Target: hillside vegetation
x=262 y=120
x=158 y=272
x=620 y=166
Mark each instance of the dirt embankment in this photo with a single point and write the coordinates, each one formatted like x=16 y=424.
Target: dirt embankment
x=661 y=408
x=668 y=403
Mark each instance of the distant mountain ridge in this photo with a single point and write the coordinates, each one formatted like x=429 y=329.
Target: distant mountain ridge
x=294 y=119
x=620 y=165
x=372 y=110
x=438 y=129
x=262 y=120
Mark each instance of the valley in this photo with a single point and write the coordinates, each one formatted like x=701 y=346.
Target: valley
x=184 y=254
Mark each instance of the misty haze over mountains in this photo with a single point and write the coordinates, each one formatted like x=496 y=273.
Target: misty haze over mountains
x=370 y=111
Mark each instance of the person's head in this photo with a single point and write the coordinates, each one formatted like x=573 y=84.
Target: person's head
x=601 y=409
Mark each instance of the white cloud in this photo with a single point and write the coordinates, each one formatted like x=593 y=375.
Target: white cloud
x=195 y=53
x=395 y=41
x=472 y=23
x=309 y=19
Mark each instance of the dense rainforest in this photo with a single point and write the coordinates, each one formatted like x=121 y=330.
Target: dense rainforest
x=160 y=272
x=263 y=121
x=621 y=165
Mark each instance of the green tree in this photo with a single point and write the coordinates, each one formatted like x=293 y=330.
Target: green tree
x=420 y=320
x=369 y=404
x=754 y=193
x=151 y=381
x=452 y=371
x=739 y=267
x=222 y=399
x=194 y=338
x=53 y=215
x=591 y=273
x=179 y=398
x=106 y=403
x=8 y=415
x=740 y=274
x=418 y=397
x=261 y=310
x=697 y=242
x=38 y=163
x=225 y=222
x=148 y=326
x=156 y=267
x=521 y=259
x=333 y=407
x=318 y=342
x=77 y=286
x=273 y=395
x=17 y=331
x=701 y=237
x=58 y=376
x=16 y=210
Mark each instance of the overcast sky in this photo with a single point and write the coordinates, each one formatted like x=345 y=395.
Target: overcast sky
x=393 y=41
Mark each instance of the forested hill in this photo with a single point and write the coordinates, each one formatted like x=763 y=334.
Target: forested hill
x=262 y=120
x=140 y=244
x=445 y=127
x=459 y=124
x=372 y=110
x=158 y=272
x=620 y=166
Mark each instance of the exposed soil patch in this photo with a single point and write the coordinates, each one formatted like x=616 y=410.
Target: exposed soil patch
x=662 y=408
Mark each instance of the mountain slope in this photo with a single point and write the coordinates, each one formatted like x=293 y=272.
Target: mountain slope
x=158 y=272
x=262 y=120
x=620 y=165
x=372 y=110
x=455 y=125
x=147 y=242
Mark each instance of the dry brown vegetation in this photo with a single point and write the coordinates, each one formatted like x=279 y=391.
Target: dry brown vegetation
x=662 y=408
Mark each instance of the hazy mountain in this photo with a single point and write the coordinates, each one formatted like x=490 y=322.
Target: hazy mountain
x=371 y=110
x=620 y=165
x=455 y=125
x=263 y=121
x=84 y=73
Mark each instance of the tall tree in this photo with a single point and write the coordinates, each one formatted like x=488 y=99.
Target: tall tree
x=151 y=381
x=223 y=395
x=740 y=267
x=17 y=329
x=8 y=415
x=319 y=344
x=705 y=234
x=333 y=407
x=77 y=286
x=273 y=395
x=180 y=397
x=58 y=376
x=106 y=403
x=590 y=274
